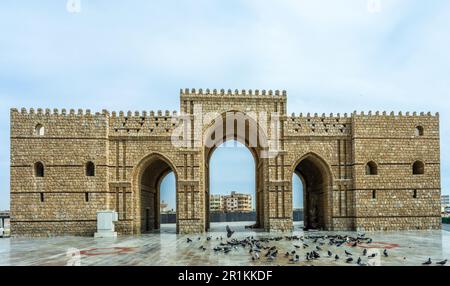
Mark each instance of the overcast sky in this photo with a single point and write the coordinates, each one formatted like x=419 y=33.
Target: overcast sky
x=331 y=56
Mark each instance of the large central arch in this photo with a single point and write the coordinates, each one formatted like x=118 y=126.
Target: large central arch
x=246 y=131
x=316 y=178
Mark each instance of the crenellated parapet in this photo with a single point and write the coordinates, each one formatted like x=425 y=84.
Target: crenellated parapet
x=320 y=125
x=341 y=124
x=383 y=124
x=57 y=112
x=143 y=123
x=66 y=123
x=233 y=93
x=392 y=114
x=60 y=123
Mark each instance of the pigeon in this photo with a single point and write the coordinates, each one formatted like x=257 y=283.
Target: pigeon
x=443 y=262
x=329 y=253
x=336 y=257
x=294 y=259
x=385 y=253
x=315 y=254
x=202 y=248
x=229 y=231
x=307 y=257
x=372 y=255
x=355 y=244
x=359 y=261
x=318 y=248
x=271 y=258
x=364 y=252
x=286 y=254
x=348 y=260
x=296 y=246
x=348 y=253
x=428 y=262
x=188 y=240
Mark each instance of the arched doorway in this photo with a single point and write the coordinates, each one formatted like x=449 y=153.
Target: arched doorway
x=237 y=126
x=316 y=180
x=168 y=203
x=153 y=170
x=297 y=201
x=232 y=185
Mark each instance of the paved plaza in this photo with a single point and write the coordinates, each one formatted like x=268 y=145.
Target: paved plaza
x=168 y=248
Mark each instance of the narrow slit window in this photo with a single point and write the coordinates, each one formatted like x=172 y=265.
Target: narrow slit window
x=39 y=170
x=374 y=194
x=41 y=197
x=86 y=197
x=419 y=131
x=39 y=130
x=90 y=169
x=415 y=194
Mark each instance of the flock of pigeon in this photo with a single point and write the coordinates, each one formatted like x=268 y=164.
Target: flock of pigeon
x=313 y=245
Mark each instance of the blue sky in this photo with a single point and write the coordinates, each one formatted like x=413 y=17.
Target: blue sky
x=331 y=56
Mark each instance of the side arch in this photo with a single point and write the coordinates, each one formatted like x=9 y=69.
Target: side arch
x=147 y=177
x=317 y=178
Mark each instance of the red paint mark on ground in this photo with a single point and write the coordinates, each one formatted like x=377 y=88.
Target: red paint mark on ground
x=107 y=251
x=376 y=244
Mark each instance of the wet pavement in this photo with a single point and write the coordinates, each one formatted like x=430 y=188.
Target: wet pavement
x=168 y=248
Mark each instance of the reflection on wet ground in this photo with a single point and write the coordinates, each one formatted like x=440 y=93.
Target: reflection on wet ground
x=168 y=248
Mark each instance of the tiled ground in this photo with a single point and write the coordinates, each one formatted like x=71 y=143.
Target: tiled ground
x=168 y=248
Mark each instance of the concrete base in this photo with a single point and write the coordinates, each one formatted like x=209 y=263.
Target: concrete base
x=105 y=234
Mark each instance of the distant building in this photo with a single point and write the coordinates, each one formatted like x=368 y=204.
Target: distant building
x=445 y=200
x=216 y=203
x=4 y=219
x=445 y=203
x=235 y=202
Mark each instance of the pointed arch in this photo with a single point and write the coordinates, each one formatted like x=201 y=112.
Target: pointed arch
x=316 y=176
x=90 y=169
x=247 y=131
x=39 y=169
x=147 y=177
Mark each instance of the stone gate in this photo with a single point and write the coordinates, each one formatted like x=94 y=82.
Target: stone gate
x=375 y=171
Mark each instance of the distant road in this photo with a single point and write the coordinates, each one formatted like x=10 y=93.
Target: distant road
x=446 y=227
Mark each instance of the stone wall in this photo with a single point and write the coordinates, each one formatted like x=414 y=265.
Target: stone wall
x=122 y=145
